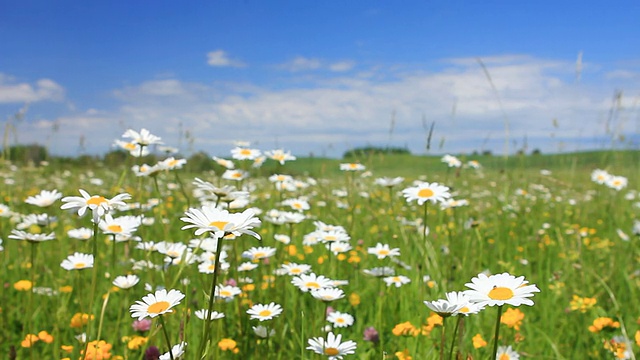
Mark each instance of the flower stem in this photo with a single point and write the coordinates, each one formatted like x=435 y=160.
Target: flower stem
x=497 y=334
x=216 y=270
x=453 y=338
x=166 y=335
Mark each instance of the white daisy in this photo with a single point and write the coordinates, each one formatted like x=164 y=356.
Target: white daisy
x=126 y=282
x=506 y=353
x=156 y=304
x=80 y=233
x=296 y=269
x=352 y=167
x=264 y=312
x=280 y=156
x=98 y=204
x=332 y=347
x=327 y=294
x=227 y=292
x=389 y=182
x=468 y=307
x=339 y=319
x=312 y=281
x=257 y=253
x=177 y=351
x=123 y=225
x=243 y=153
x=44 y=199
x=77 y=261
x=142 y=138
x=220 y=222
x=22 y=235
x=383 y=250
x=500 y=289
x=202 y=314
x=398 y=280
x=424 y=192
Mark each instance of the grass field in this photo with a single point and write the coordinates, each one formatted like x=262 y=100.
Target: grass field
x=569 y=236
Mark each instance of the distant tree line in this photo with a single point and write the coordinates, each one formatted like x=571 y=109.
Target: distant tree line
x=374 y=150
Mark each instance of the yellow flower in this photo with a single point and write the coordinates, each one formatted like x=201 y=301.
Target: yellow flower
x=29 y=340
x=512 y=318
x=478 y=341
x=79 y=320
x=136 y=342
x=67 y=348
x=433 y=320
x=228 y=345
x=405 y=329
x=403 y=355
x=22 y=285
x=97 y=350
x=601 y=323
x=45 y=336
x=66 y=289
x=582 y=304
x=354 y=299
x=637 y=337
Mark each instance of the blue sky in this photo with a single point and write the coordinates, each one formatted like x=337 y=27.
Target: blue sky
x=321 y=77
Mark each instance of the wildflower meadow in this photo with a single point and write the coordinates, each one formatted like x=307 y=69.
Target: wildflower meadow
x=270 y=256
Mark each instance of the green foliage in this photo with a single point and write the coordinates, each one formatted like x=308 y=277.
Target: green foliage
x=367 y=151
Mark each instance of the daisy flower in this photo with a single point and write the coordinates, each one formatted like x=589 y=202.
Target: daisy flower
x=500 y=289
x=507 y=353
x=124 y=225
x=332 y=347
x=235 y=175
x=156 y=304
x=77 y=261
x=383 y=250
x=600 y=176
x=389 y=182
x=80 y=234
x=380 y=271
x=424 y=192
x=280 y=156
x=171 y=163
x=338 y=247
x=396 y=280
x=311 y=282
x=98 y=204
x=202 y=314
x=243 y=153
x=285 y=239
x=451 y=161
x=177 y=351
x=261 y=331
x=352 y=167
x=297 y=204
x=327 y=294
x=617 y=182
x=22 y=235
x=224 y=162
x=257 y=253
x=296 y=269
x=227 y=292
x=220 y=222
x=265 y=312
x=133 y=148
x=5 y=211
x=444 y=307
x=339 y=319
x=209 y=266
x=44 y=199
x=142 y=138
x=333 y=235
x=468 y=307
x=247 y=266
x=126 y=282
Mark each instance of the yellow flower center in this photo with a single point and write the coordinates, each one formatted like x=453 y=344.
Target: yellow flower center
x=295 y=271
x=173 y=163
x=297 y=205
x=79 y=265
x=218 y=224
x=330 y=238
x=278 y=157
x=395 y=279
x=96 y=200
x=246 y=152
x=425 y=193
x=383 y=252
x=265 y=312
x=236 y=175
x=114 y=228
x=505 y=357
x=158 y=307
x=331 y=351
x=225 y=293
x=500 y=293
x=340 y=320
x=312 y=284
x=259 y=255
x=464 y=310
x=353 y=166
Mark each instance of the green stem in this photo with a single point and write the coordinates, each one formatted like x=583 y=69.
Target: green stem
x=207 y=329
x=166 y=335
x=453 y=338
x=442 y=336
x=182 y=189
x=497 y=334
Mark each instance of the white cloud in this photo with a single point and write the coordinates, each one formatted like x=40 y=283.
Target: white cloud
x=43 y=90
x=301 y=63
x=220 y=58
x=334 y=113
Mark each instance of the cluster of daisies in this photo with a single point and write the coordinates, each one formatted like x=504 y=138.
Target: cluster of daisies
x=603 y=177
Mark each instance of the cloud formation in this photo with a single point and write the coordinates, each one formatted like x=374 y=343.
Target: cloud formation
x=536 y=99
x=301 y=63
x=220 y=58
x=22 y=92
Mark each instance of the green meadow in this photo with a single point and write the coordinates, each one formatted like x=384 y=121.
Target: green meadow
x=537 y=216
